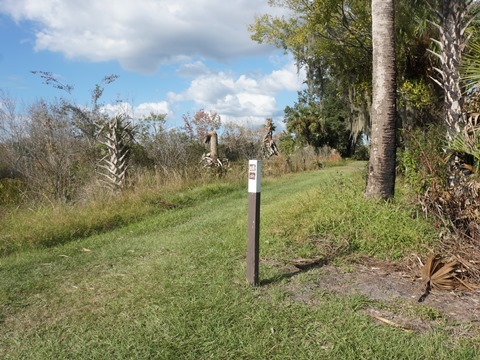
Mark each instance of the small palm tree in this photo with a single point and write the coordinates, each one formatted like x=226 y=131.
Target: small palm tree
x=468 y=143
x=115 y=137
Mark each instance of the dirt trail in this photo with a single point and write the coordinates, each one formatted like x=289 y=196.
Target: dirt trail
x=392 y=286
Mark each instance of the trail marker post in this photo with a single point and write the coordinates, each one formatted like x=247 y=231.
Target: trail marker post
x=253 y=248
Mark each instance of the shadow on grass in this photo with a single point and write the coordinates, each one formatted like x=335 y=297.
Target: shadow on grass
x=305 y=265
x=302 y=266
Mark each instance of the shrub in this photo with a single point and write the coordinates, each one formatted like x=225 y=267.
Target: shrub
x=422 y=162
x=11 y=191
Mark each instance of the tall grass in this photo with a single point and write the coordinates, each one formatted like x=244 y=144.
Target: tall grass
x=334 y=212
x=46 y=226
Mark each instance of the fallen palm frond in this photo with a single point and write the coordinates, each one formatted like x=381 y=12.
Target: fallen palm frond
x=442 y=276
x=391 y=323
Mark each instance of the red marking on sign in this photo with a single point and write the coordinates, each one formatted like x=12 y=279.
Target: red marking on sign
x=251 y=176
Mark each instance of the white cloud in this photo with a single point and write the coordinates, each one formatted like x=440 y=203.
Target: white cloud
x=142 y=34
x=193 y=69
x=241 y=98
x=138 y=111
x=288 y=78
x=146 y=109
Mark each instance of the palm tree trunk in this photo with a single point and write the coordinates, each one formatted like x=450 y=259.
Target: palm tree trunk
x=451 y=45
x=381 y=167
x=454 y=19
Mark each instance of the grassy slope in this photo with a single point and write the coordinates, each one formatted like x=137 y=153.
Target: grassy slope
x=173 y=286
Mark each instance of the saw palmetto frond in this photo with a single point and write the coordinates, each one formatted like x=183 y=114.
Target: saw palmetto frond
x=441 y=276
x=444 y=278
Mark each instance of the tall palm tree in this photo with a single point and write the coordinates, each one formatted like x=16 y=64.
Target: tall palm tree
x=381 y=167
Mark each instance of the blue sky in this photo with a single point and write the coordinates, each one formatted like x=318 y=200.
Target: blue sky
x=172 y=56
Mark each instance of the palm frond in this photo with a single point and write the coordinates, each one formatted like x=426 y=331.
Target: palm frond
x=442 y=276
x=470 y=67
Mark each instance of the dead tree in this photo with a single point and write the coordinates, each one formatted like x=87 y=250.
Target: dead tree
x=269 y=147
x=211 y=159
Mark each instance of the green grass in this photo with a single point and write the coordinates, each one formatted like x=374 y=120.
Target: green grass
x=172 y=286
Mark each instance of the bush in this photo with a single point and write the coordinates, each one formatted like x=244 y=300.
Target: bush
x=362 y=153
x=11 y=191
x=422 y=162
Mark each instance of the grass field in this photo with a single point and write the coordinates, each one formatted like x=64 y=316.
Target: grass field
x=172 y=285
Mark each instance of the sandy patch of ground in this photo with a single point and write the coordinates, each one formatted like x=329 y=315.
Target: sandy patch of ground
x=390 y=285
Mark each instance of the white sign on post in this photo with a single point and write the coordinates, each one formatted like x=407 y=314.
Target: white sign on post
x=254 y=175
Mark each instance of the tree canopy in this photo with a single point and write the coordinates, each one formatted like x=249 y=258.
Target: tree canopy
x=331 y=40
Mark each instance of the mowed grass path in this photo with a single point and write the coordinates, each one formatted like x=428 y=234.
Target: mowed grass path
x=173 y=286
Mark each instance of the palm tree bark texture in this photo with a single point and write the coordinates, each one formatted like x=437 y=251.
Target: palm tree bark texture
x=452 y=38
x=453 y=23
x=454 y=19
x=381 y=167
